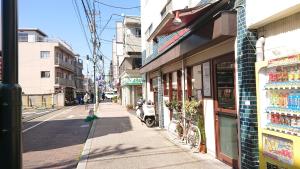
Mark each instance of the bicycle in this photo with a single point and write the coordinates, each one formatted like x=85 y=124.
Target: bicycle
x=190 y=133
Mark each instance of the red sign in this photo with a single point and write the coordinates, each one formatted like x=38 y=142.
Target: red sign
x=174 y=39
x=1 y=67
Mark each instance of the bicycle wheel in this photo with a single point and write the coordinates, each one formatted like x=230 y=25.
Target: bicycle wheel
x=194 y=137
x=172 y=132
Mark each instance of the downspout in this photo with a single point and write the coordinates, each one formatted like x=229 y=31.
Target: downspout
x=260 y=44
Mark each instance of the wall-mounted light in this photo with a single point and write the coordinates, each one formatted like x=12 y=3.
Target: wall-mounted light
x=177 y=20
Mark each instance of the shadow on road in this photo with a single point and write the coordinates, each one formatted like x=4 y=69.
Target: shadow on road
x=54 y=134
x=112 y=125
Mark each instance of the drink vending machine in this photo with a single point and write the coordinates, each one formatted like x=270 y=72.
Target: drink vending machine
x=278 y=111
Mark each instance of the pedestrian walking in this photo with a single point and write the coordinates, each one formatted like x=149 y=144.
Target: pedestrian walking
x=86 y=99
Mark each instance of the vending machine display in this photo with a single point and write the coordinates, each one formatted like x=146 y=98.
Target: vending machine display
x=278 y=102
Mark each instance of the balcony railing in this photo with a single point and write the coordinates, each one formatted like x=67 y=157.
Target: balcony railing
x=133 y=43
x=66 y=65
x=64 y=82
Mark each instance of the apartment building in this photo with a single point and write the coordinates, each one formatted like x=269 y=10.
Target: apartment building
x=46 y=66
x=128 y=51
x=79 y=77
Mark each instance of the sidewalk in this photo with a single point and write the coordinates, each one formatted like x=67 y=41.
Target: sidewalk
x=118 y=140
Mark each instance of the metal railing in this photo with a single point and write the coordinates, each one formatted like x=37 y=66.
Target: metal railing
x=64 y=82
x=64 y=64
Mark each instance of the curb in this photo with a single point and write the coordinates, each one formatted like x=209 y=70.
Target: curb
x=87 y=147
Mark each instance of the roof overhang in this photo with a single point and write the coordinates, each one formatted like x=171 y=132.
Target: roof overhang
x=223 y=28
x=187 y=16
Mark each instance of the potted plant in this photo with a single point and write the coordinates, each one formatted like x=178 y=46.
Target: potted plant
x=129 y=107
x=169 y=105
x=194 y=108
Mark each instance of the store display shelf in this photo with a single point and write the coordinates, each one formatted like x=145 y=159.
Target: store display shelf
x=282 y=85
x=283 y=111
x=283 y=130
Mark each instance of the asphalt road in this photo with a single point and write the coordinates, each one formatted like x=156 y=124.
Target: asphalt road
x=55 y=140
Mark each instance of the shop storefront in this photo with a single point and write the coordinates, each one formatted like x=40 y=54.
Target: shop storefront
x=131 y=90
x=205 y=70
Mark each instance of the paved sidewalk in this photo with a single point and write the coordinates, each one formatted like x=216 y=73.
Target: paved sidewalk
x=118 y=140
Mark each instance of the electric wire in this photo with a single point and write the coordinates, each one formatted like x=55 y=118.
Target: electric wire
x=118 y=7
x=78 y=15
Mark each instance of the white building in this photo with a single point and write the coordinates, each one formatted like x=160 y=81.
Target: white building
x=128 y=50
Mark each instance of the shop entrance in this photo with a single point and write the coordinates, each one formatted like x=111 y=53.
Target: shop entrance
x=225 y=110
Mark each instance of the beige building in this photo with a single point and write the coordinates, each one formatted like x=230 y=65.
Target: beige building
x=46 y=66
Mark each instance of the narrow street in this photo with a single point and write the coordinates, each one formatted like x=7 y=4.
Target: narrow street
x=119 y=140
x=55 y=140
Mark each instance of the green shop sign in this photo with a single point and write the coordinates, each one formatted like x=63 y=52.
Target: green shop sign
x=131 y=81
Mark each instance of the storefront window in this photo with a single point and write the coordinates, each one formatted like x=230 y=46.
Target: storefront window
x=174 y=85
x=197 y=82
x=225 y=85
x=166 y=84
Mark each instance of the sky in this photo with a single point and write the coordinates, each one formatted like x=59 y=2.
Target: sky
x=57 y=18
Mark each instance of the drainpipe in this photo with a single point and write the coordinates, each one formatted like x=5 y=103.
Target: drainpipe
x=260 y=44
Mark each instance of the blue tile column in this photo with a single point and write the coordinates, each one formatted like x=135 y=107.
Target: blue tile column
x=160 y=101
x=246 y=59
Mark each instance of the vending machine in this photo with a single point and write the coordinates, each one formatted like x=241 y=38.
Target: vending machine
x=278 y=111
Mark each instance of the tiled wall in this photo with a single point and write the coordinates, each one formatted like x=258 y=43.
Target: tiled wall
x=246 y=59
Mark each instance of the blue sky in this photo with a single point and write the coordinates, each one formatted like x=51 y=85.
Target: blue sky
x=57 y=18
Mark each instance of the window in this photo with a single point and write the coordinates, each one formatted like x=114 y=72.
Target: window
x=45 y=54
x=137 y=32
x=45 y=74
x=23 y=37
x=136 y=63
x=165 y=85
x=148 y=31
x=166 y=9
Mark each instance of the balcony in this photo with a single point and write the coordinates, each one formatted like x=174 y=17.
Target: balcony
x=64 y=82
x=63 y=64
x=132 y=44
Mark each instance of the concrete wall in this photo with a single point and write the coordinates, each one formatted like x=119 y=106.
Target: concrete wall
x=262 y=12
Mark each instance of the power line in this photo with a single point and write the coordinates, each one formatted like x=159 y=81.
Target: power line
x=119 y=7
x=105 y=40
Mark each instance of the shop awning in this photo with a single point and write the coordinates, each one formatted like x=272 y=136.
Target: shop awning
x=187 y=16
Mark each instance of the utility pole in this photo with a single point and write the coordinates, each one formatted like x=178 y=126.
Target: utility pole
x=10 y=91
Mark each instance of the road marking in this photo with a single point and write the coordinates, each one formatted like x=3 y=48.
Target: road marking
x=30 y=112
x=46 y=120
x=71 y=116
x=85 y=125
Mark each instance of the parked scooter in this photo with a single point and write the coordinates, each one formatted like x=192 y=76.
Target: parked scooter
x=146 y=112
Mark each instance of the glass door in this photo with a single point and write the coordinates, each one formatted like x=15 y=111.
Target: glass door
x=225 y=110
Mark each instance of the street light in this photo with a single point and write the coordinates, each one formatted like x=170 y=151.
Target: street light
x=10 y=97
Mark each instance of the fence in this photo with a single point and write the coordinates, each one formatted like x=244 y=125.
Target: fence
x=43 y=100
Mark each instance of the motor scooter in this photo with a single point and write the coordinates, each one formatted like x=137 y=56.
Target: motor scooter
x=146 y=112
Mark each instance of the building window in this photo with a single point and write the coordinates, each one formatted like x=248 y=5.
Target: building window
x=165 y=85
x=166 y=9
x=137 y=32
x=149 y=31
x=45 y=74
x=136 y=63
x=45 y=54
x=23 y=37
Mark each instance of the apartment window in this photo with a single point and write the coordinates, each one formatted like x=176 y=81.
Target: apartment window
x=149 y=31
x=45 y=54
x=45 y=74
x=136 y=63
x=166 y=9
x=23 y=37
x=137 y=32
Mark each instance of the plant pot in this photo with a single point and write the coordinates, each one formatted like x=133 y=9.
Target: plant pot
x=202 y=149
